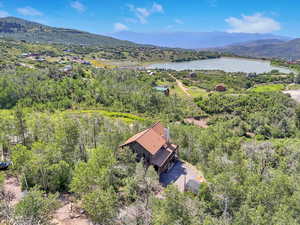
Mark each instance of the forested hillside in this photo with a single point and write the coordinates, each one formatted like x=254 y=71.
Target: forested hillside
x=11 y=27
x=62 y=128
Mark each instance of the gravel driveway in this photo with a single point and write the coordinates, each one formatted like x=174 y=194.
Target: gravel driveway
x=180 y=174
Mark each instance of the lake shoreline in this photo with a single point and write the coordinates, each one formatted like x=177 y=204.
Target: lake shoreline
x=227 y=64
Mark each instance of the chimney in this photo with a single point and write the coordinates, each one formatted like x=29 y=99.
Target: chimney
x=167 y=134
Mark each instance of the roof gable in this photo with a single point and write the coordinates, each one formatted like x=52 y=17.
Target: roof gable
x=152 y=139
x=134 y=138
x=159 y=129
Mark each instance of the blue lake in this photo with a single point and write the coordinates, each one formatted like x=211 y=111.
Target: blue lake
x=226 y=64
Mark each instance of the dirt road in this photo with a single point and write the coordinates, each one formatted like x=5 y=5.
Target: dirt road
x=181 y=86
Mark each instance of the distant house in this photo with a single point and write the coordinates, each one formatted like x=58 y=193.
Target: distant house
x=163 y=89
x=150 y=72
x=86 y=62
x=153 y=146
x=220 y=87
x=67 y=69
x=251 y=75
x=25 y=54
x=193 y=75
x=40 y=59
x=294 y=62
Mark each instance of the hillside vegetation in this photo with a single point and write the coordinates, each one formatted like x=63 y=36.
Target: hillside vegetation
x=62 y=127
x=11 y=27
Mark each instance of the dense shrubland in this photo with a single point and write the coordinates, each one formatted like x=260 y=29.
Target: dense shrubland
x=238 y=82
x=122 y=91
x=268 y=115
x=78 y=153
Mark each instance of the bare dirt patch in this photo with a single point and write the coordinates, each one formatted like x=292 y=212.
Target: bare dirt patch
x=295 y=94
x=202 y=123
x=70 y=214
x=12 y=185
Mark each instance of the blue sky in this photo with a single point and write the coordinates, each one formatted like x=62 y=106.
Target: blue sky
x=102 y=16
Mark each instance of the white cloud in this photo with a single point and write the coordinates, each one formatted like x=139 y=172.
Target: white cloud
x=120 y=27
x=143 y=13
x=256 y=23
x=178 y=21
x=29 y=11
x=157 y=8
x=3 y=14
x=78 y=6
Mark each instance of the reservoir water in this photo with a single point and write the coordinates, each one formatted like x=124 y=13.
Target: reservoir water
x=226 y=64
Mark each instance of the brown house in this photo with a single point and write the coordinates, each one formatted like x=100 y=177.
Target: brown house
x=220 y=87
x=154 y=147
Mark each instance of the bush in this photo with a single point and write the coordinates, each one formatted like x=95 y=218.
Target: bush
x=36 y=207
x=101 y=205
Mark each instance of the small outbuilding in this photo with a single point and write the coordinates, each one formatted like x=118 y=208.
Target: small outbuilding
x=220 y=87
x=67 y=69
x=251 y=75
x=163 y=89
x=193 y=75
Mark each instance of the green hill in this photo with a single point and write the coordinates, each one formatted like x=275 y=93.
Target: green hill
x=15 y=28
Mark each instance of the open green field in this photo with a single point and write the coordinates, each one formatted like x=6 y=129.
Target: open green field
x=197 y=92
x=125 y=117
x=192 y=90
x=268 y=88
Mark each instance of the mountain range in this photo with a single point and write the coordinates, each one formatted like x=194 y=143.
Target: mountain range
x=243 y=44
x=271 y=48
x=192 y=40
x=11 y=27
